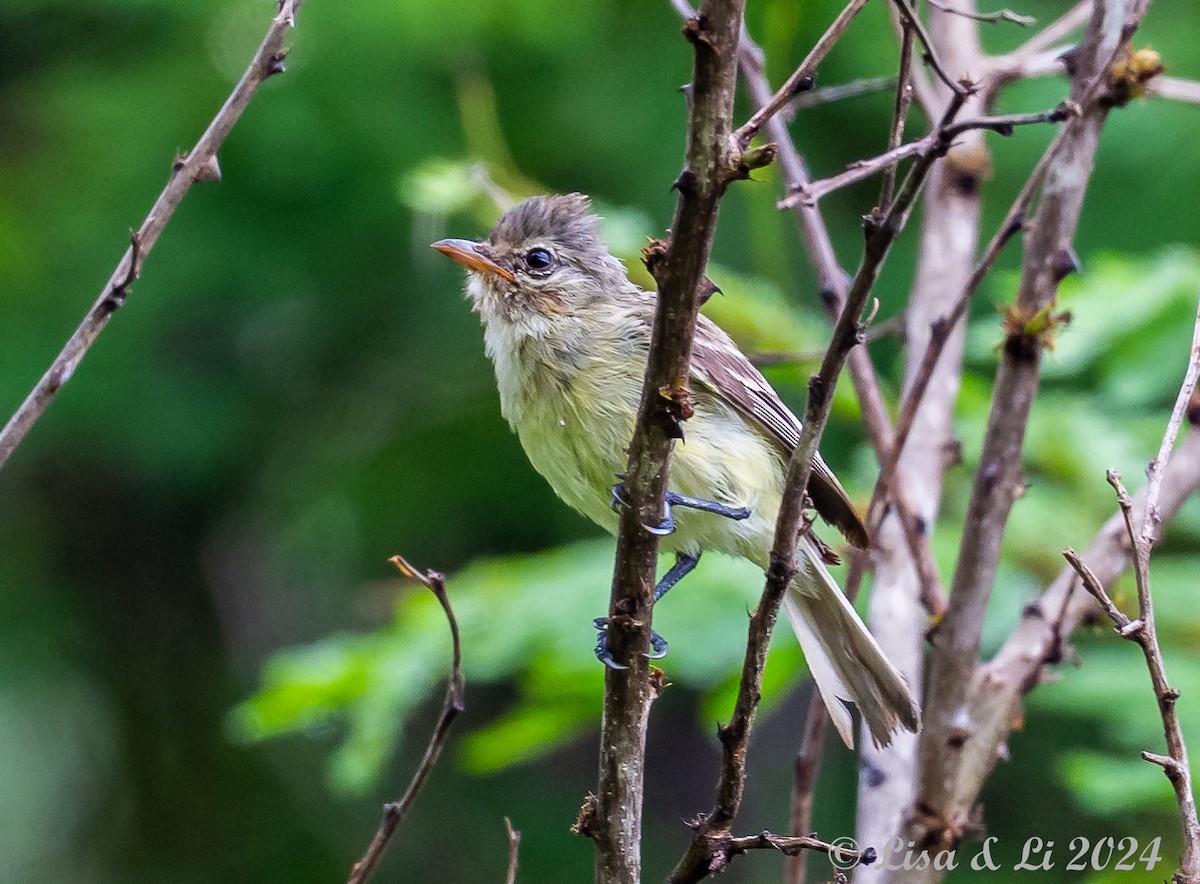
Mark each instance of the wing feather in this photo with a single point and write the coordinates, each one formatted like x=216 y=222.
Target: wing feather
x=720 y=365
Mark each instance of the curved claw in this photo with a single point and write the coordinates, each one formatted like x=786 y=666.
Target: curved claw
x=603 y=654
x=658 y=645
x=663 y=528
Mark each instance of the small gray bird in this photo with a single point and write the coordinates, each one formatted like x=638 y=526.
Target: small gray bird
x=569 y=336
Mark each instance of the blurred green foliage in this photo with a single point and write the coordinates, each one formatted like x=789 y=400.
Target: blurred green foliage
x=296 y=390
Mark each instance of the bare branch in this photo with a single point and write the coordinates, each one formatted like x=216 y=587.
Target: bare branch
x=1031 y=324
x=794 y=845
x=807 y=765
x=1037 y=55
x=904 y=95
x=394 y=812
x=1142 y=631
x=903 y=598
x=198 y=165
x=700 y=860
x=997 y=687
x=514 y=850
x=829 y=94
x=937 y=141
x=986 y=17
x=803 y=77
x=1174 y=88
x=1058 y=30
x=959 y=87
x=1155 y=470
x=712 y=161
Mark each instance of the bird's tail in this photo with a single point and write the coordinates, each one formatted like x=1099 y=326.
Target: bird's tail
x=844 y=659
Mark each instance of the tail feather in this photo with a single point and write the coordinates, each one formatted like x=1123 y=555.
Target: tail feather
x=844 y=659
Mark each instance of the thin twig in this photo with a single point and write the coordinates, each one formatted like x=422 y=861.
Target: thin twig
x=940 y=329
x=394 y=812
x=1058 y=30
x=903 y=599
x=938 y=141
x=700 y=861
x=904 y=95
x=514 y=850
x=986 y=17
x=198 y=165
x=959 y=87
x=803 y=77
x=1033 y=56
x=1155 y=470
x=711 y=163
x=1142 y=631
x=844 y=857
x=892 y=327
x=804 y=779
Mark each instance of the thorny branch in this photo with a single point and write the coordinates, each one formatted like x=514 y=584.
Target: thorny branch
x=394 y=812
x=712 y=162
x=200 y=164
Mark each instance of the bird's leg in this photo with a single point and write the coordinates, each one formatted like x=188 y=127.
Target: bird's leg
x=683 y=566
x=673 y=499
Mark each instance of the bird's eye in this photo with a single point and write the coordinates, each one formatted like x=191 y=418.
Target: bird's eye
x=538 y=260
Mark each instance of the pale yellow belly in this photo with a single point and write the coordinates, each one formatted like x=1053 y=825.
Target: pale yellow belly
x=577 y=442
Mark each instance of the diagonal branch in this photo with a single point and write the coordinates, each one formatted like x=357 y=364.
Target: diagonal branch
x=712 y=161
x=394 y=812
x=198 y=165
x=803 y=78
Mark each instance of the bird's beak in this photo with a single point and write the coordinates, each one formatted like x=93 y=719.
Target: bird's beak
x=470 y=255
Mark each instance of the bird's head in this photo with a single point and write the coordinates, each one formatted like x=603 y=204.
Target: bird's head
x=544 y=259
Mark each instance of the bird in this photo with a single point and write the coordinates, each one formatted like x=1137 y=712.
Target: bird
x=568 y=334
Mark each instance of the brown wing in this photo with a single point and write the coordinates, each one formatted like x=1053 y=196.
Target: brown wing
x=721 y=366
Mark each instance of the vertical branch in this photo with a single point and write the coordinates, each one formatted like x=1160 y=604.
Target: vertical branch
x=1048 y=259
x=200 y=164
x=904 y=92
x=949 y=239
x=712 y=161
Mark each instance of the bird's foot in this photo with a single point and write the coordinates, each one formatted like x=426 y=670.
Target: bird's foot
x=673 y=499
x=658 y=645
